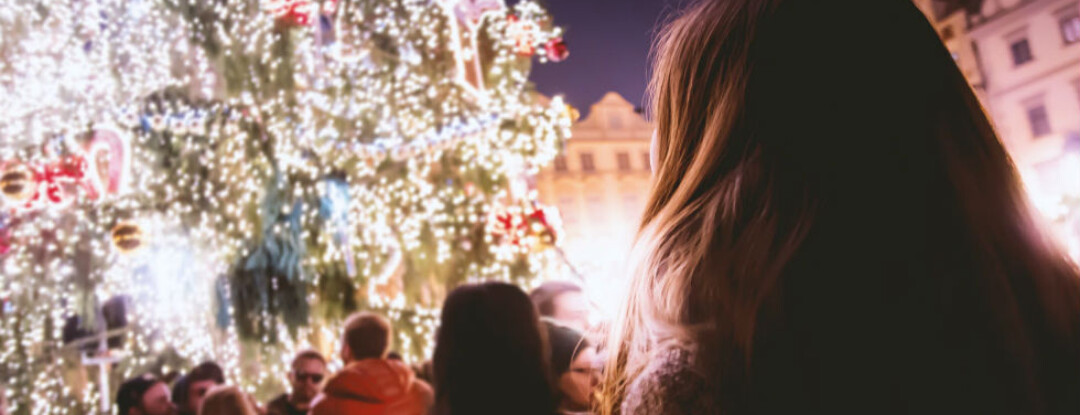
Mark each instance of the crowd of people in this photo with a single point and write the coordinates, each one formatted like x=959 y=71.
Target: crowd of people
x=833 y=227
x=495 y=348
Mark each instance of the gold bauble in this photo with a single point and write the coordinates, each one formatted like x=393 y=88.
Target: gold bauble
x=127 y=237
x=17 y=183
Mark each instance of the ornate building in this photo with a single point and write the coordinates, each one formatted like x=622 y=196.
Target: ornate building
x=1023 y=58
x=599 y=185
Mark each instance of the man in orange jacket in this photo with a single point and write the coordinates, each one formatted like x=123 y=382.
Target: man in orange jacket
x=371 y=384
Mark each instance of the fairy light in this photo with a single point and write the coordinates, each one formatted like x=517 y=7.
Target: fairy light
x=222 y=105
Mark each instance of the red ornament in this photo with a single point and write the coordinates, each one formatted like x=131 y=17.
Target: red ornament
x=532 y=227
x=542 y=227
x=99 y=168
x=509 y=226
x=290 y=13
x=557 y=51
x=5 y=241
x=57 y=176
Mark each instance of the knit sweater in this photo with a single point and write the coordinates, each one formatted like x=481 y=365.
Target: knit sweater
x=669 y=385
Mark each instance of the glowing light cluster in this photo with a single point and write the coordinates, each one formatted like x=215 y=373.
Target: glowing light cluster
x=275 y=162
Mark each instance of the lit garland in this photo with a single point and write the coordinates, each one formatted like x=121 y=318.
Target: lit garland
x=282 y=163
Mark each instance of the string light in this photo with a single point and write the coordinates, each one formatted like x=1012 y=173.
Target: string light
x=374 y=137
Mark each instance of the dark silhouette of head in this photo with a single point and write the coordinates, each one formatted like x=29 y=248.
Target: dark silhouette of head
x=367 y=336
x=190 y=389
x=491 y=354
x=563 y=301
x=835 y=222
x=144 y=395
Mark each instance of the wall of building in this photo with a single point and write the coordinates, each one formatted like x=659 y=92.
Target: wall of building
x=1049 y=79
x=1035 y=105
x=600 y=206
x=953 y=31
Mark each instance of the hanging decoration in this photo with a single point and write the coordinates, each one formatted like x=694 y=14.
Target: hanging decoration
x=290 y=13
x=108 y=152
x=18 y=183
x=532 y=227
x=556 y=49
x=58 y=180
x=273 y=167
x=127 y=237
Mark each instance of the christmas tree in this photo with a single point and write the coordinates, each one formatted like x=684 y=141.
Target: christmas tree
x=187 y=180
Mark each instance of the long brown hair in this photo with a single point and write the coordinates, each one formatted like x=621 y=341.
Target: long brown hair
x=491 y=354
x=834 y=221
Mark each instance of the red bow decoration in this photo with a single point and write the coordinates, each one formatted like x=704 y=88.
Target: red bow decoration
x=516 y=227
x=52 y=181
x=295 y=13
x=54 y=176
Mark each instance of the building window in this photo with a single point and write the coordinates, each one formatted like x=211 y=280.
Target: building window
x=646 y=160
x=1039 y=119
x=1070 y=27
x=1021 y=51
x=624 y=161
x=588 y=165
x=560 y=163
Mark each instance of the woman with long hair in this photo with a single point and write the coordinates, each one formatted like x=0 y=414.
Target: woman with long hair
x=491 y=354
x=834 y=227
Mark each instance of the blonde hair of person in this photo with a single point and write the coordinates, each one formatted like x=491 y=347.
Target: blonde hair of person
x=227 y=400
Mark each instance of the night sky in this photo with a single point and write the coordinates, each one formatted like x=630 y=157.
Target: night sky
x=609 y=44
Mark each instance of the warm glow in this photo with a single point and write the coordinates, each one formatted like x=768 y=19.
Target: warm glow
x=156 y=143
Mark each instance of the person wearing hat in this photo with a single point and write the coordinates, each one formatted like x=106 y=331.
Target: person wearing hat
x=144 y=395
x=573 y=368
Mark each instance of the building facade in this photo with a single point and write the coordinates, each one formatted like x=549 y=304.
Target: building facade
x=1029 y=52
x=599 y=184
x=1023 y=59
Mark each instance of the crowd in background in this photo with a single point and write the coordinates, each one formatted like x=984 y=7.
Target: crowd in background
x=496 y=348
x=816 y=241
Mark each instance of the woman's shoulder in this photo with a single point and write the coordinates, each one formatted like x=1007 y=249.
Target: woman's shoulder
x=670 y=384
